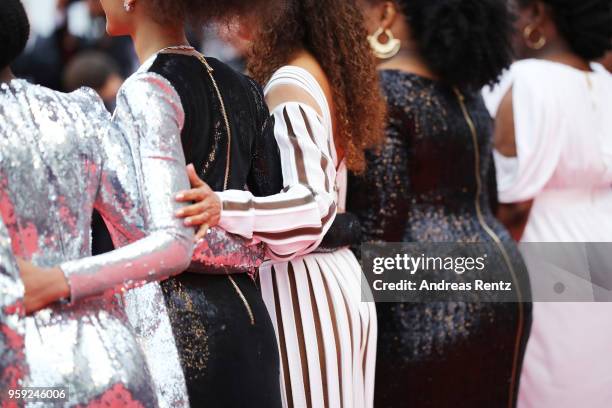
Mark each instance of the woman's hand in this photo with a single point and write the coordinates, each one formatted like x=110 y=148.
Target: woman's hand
x=206 y=210
x=42 y=286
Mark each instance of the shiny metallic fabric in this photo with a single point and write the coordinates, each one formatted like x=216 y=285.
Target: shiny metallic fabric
x=223 y=253
x=13 y=367
x=147 y=106
x=60 y=157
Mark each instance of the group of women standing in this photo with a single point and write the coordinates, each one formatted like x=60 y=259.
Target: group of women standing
x=267 y=309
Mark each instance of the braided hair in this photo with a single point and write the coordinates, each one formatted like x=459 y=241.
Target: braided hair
x=14 y=31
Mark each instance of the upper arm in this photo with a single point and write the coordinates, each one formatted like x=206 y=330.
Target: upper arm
x=118 y=198
x=505 y=142
x=150 y=117
x=286 y=93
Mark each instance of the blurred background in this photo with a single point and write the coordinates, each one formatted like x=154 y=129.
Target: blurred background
x=69 y=48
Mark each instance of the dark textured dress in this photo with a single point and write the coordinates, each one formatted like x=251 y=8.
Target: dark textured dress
x=223 y=332
x=423 y=186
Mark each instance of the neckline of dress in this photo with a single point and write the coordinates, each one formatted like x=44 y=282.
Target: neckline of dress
x=596 y=68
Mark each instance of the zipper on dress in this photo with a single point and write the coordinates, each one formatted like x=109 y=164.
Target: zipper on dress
x=243 y=298
x=497 y=242
x=210 y=70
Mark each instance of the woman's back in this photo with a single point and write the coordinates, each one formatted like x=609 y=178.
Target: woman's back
x=563 y=138
x=53 y=151
x=562 y=132
x=59 y=158
x=423 y=183
x=221 y=329
x=204 y=135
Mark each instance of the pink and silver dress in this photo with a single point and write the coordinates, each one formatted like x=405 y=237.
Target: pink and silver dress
x=61 y=158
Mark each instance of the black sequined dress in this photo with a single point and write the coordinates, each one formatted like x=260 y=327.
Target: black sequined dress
x=422 y=187
x=222 y=329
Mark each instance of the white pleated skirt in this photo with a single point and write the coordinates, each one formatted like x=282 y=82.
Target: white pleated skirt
x=326 y=333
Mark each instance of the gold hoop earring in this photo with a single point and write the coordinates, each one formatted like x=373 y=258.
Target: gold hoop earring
x=128 y=5
x=385 y=50
x=534 y=45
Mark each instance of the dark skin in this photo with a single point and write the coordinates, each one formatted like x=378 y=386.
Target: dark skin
x=607 y=61
x=386 y=15
x=538 y=16
x=6 y=75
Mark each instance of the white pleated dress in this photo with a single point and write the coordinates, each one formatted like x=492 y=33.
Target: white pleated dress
x=563 y=132
x=326 y=334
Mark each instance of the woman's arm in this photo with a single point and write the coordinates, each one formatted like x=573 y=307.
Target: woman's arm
x=514 y=216
x=150 y=117
x=291 y=222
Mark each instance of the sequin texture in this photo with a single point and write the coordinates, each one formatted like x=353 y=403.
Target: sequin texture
x=421 y=186
x=58 y=152
x=13 y=367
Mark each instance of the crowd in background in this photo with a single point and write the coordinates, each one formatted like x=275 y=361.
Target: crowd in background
x=69 y=48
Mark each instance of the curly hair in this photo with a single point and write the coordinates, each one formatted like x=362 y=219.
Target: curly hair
x=333 y=32
x=202 y=11
x=14 y=30
x=466 y=43
x=586 y=25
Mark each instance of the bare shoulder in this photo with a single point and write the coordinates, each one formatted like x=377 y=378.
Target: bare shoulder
x=505 y=142
x=308 y=62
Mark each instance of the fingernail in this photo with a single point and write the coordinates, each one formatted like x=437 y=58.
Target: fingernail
x=180 y=196
x=187 y=221
x=180 y=213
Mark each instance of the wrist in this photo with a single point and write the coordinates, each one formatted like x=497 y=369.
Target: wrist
x=58 y=287
x=220 y=198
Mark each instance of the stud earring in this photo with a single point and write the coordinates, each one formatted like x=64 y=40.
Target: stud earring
x=128 y=5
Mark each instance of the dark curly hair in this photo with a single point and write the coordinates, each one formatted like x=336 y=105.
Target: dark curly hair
x=586 y=25
x=333 y=32
x=466 y=43
x=199 y=12
x=14 y=30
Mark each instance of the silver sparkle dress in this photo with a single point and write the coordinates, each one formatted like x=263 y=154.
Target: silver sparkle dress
x=12 y=323
x=59 y=158
x=148 y=105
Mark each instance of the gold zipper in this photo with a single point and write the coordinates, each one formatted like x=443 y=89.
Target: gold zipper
x=210 y=70
x=497 y=241
x=244 y=300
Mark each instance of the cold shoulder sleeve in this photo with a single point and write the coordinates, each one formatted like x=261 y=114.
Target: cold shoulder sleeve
x=292 y=222
x=538 y=135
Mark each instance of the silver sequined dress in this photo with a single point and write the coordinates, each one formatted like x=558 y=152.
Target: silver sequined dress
x=59 y=158
x=12 y=323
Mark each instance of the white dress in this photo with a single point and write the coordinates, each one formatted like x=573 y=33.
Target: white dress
x=563 y=128
x=326 y=334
